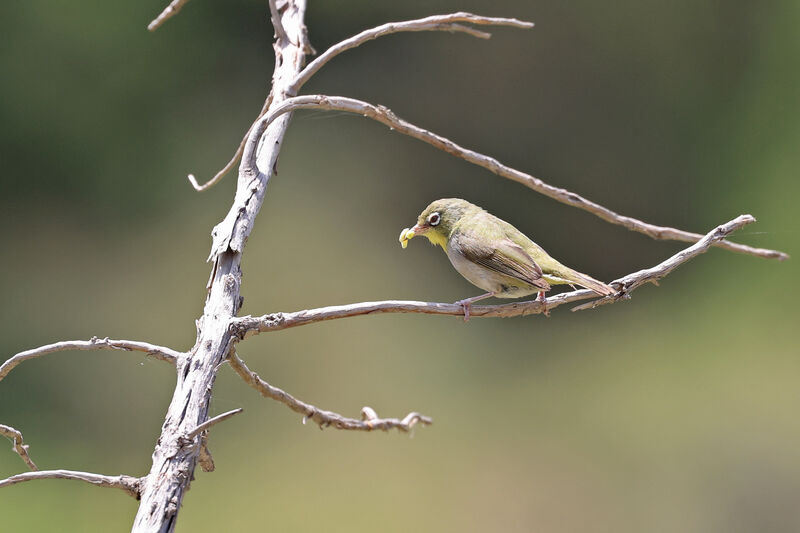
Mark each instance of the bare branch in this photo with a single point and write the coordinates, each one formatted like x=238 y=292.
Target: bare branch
x=652 y=275
x=275 y=16
x=18 y=446
x=212 y=421
x=159 y=352
x=433 y=23
x=127 y=483
x=249 y=325
x=170 y=11
x=369 y=422
x=385 y=116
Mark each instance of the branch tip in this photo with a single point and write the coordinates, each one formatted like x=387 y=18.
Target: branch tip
x=170 y=11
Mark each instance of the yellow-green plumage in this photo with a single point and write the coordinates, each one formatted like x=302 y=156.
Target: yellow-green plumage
x=492 y=254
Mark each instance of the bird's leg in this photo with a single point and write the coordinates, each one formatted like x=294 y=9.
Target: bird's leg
x=465 y=303
x=542 y=300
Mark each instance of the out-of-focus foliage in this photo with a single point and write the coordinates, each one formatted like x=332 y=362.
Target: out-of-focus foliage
x=675 y=411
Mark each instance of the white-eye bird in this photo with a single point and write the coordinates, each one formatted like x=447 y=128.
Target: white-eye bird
x=492 y=254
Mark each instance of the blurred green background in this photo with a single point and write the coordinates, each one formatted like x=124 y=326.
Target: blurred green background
x=674 y=412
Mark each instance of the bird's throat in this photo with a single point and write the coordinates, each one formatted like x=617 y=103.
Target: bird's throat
x=437 y=238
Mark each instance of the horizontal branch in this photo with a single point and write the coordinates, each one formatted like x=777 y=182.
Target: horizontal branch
x=170 y=11
x=127 y=483
x=159 y=352
x=387 y=117
x=370 y=420
x=249 y=325
x=17 y=445
x=434 y=23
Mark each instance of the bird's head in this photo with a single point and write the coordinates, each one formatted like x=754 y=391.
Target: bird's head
x=436 y=222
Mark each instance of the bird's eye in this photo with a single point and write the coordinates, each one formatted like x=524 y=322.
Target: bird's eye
x=434 y=219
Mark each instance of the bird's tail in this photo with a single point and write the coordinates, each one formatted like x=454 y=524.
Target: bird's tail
x=589 y=282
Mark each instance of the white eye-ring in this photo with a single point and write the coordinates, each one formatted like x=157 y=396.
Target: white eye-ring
x=434 y=219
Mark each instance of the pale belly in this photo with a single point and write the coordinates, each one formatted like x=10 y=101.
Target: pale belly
x=502 y=286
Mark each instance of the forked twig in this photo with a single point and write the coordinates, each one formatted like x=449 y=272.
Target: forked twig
x=434 y=23
x=369 y=422
x=170 y=11
x=249 y=325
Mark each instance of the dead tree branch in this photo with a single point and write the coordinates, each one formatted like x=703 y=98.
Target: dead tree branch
x=249 y=325
x=387 y=117
x=127 y=483
x=174 y=458
x=170 y=11
x=159 y=352
x=212 y=422
x=17 y=445
x=369 y=422
x=447 y=23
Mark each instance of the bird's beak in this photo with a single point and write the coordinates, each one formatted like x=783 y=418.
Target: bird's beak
x=409 y=233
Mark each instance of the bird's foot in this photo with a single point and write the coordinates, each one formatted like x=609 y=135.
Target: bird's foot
x=465 y=304
x=543 y=301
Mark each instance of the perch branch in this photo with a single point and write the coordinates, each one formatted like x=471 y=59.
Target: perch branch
x=127 y=483
x=248 y=325
x=433 y=23
x=170 y=11
x=18 y=446
x=385 y=116
x=159 y=352
x=369 y=422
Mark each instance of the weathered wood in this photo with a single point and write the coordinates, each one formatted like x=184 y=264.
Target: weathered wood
x=175 y=455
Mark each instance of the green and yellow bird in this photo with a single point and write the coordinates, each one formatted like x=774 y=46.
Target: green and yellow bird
x=492 y=254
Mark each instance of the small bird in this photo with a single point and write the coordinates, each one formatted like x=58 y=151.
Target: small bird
x=492 y=254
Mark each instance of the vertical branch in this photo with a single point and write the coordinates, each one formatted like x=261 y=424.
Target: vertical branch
x=175 y=456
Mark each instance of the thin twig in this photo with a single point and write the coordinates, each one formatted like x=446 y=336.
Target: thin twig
x=159 y=352
x=170 y=11
x=249 y=325
x=433 y=23
x=17 y=445
x=370 y=421
x=651 y=275
x=386 y=116
x=127 y=483
x=236 y=156
x=212 y=421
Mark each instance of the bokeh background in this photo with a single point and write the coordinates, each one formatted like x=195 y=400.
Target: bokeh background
x=676 y=411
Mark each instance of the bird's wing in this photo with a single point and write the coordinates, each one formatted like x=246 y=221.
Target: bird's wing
x=502 y=256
